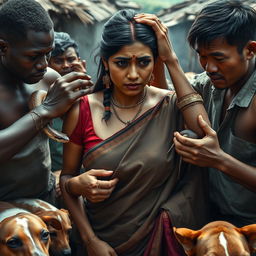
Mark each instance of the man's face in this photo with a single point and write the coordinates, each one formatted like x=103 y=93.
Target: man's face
x=28 y=59
x=64 y=63
x=225 y=66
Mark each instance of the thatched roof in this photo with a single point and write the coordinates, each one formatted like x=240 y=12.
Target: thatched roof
x=188 y=10
x=87 y=11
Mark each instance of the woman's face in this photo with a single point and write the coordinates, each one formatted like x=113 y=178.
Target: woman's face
x=130 y=69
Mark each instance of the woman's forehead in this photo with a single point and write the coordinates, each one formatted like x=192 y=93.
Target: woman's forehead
x=135 y=50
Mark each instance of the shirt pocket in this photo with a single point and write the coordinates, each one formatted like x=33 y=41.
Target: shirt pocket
x=241 y=149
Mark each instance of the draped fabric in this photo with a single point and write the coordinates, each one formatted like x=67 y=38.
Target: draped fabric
x=150 y=179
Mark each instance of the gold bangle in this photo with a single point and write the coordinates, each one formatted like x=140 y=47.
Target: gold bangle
x=189 y=100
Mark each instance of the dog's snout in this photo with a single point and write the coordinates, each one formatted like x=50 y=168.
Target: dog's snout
x=66 y=252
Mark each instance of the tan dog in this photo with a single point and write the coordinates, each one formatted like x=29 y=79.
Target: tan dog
x=218 y=238
x=22 y=233
x=57 y=220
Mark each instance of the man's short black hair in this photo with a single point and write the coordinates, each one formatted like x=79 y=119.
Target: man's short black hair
x=63 y=41
x=228 y=19
x=19 y=16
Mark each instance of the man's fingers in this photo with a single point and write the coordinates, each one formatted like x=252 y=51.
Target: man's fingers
x=74 y=76
x=206 y=128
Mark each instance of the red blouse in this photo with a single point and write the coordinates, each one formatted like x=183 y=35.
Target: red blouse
x=84 y=134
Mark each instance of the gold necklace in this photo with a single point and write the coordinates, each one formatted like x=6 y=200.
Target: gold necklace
x=136 y=115
x=130 y=106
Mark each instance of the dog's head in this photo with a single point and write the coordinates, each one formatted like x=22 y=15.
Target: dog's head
x=218 y=238
x=24 y=234
x=59 y=226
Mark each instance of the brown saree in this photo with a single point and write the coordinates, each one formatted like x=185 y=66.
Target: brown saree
x=150 y=179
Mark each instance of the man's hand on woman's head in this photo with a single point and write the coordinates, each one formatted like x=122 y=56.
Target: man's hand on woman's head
x=164 y=45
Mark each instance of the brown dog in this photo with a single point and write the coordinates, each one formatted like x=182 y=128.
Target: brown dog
x=22 y=233
x=57 y=221
x=218 y=238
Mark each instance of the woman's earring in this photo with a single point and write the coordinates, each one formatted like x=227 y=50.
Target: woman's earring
x=151 y=80
x=106 y=80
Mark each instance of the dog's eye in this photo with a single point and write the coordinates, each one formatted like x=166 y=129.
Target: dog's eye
x=14 y=242
x=69 y=231
x=45 y=235
x=53 y=234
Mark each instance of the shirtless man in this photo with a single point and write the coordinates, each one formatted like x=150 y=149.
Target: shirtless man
x=26 y=42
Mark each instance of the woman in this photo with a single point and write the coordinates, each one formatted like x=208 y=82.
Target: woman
x=133 y=181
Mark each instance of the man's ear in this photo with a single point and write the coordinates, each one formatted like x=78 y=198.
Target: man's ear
x=3 y=47
x=250 y=49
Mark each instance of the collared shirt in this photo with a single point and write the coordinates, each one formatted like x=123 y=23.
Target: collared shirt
x=231 y=199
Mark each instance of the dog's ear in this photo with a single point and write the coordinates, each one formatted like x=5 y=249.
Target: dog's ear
x=249 y=232
x=64 y=210
x=187 y=238
x=51 y=221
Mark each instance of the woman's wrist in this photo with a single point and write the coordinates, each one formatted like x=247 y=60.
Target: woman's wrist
x=89 y=239
x=71 y=186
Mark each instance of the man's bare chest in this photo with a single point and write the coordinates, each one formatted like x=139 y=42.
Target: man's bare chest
x=13 y=105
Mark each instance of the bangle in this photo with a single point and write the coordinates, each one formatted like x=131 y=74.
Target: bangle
x=37 y=120
x=189 y=100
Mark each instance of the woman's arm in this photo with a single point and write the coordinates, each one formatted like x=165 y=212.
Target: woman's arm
x=72 y=189
x=180 y=82
x=159 y=75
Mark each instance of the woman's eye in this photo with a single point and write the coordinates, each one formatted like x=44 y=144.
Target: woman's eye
x=121 y=63
x=144 y=63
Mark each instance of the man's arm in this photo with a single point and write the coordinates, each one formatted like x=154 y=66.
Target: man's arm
x=206 y=152
x=65 y=91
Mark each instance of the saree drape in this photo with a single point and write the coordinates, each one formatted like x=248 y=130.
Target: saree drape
x=150 y=179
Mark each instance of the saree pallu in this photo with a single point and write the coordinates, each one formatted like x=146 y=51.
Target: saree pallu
x=150 y=179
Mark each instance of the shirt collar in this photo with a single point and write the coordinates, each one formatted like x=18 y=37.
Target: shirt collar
x=245 y=94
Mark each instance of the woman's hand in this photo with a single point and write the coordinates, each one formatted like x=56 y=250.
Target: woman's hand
x=97 y=247
x=93 y=189
x=164 y=45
